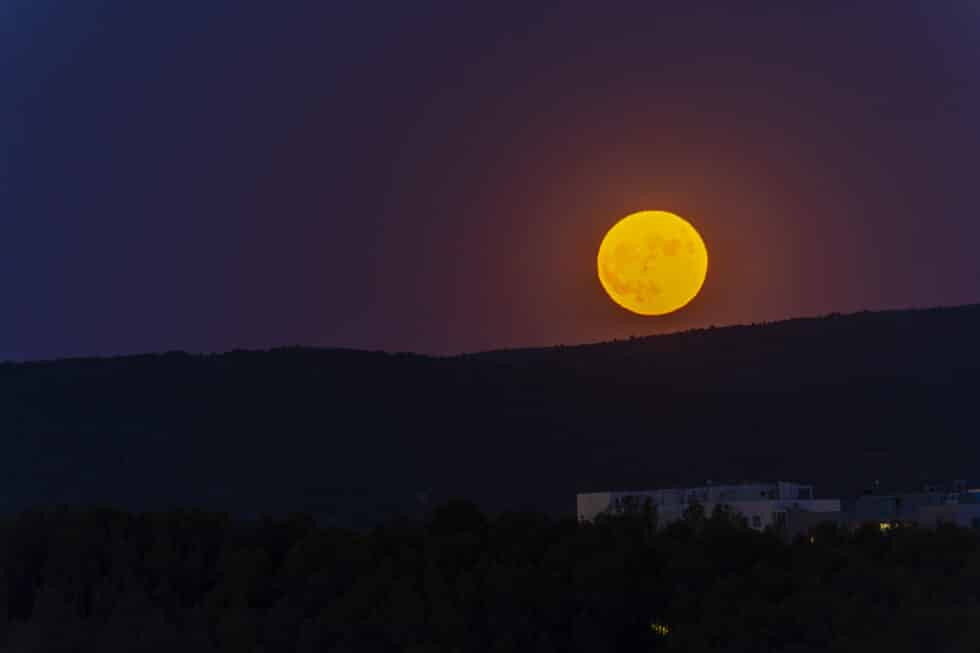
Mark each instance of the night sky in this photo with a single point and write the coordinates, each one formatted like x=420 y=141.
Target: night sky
x=437 y=177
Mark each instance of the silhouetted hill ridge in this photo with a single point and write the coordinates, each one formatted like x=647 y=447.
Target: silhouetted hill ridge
x=354 y=436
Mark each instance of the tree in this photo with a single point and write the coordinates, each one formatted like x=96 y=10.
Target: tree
x=456 y=517
x=694 y=515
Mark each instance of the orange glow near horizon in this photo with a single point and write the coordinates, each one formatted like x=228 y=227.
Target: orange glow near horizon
x=652 y=262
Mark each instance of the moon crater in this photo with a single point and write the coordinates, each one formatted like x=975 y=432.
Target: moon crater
x=652 y=262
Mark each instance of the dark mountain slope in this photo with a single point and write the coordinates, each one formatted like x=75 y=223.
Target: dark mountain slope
x=353 y=436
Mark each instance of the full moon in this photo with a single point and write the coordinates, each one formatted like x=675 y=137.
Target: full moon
x=652 y=262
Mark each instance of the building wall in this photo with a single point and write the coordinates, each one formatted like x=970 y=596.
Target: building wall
x=762 y=504
x=751 y=501
x=591 y=505
x=927 y=509
x=966 y=515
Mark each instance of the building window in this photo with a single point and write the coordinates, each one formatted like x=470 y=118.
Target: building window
x=756 y=521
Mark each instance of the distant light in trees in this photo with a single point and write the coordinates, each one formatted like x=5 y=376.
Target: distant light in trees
x=660 y=629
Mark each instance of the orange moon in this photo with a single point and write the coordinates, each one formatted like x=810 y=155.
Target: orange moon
x=652 y=262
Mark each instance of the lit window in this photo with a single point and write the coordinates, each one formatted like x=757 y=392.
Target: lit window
x=884 y=526
x=660 y=629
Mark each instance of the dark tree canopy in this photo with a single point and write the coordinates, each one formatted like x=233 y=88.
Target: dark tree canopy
x=76 y=580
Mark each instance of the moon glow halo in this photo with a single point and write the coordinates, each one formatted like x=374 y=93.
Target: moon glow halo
x=652 y=262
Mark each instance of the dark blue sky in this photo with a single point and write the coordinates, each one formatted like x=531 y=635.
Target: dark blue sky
x=435 y=177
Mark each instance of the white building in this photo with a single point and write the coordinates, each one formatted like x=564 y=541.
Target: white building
x=929 y=507
x=762 y=504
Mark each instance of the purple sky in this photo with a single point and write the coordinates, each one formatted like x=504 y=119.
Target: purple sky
x=428 y=176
